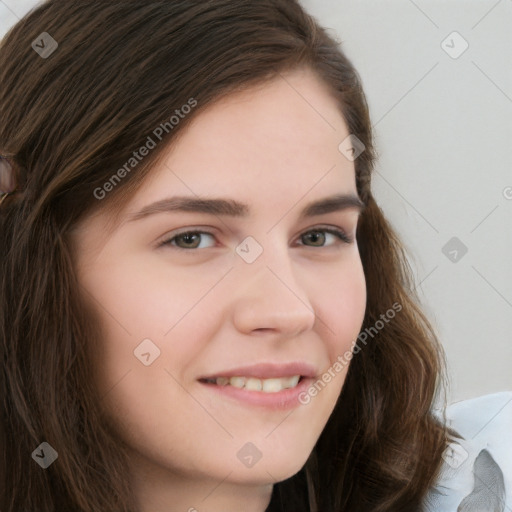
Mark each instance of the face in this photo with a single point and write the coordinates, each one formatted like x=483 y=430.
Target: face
x=263 y=292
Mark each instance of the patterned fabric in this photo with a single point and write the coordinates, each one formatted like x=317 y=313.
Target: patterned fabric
x=477 y=471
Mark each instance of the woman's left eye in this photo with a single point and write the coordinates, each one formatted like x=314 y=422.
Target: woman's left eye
x=190 y=238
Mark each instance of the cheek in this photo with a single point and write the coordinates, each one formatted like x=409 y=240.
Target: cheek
x=136 y=302
x=139 y=299
x=145 y=301
x=342 y=306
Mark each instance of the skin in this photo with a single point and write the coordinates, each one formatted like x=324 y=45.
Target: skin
x=275 y=148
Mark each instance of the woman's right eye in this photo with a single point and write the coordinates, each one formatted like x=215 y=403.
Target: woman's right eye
x=189 y=239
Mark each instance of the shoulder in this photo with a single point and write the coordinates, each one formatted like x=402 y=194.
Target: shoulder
x=477 y=470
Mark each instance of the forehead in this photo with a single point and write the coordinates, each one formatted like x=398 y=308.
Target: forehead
x=283 y=133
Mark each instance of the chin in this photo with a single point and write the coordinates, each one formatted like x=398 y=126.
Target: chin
x=279 y=468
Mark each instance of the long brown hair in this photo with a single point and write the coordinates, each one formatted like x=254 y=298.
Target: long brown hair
x=69 y=121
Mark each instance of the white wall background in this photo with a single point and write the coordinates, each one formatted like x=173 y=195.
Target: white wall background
x=444 y=134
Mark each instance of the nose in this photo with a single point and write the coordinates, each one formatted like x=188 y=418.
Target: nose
x=269 y=297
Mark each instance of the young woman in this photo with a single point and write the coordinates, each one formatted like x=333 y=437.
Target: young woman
x=203 y=307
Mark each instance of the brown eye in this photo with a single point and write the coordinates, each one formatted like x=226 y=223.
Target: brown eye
x=318 y=236
x=187 y=240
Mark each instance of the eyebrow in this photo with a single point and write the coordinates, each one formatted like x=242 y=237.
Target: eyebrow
x=232 y=208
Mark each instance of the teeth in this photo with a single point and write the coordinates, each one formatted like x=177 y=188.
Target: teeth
x=273 y=385
x=253 y=384
x=222 y=381
x=238 y=382
x=292 y=381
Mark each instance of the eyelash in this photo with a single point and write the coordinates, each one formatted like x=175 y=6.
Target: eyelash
x=342 y=236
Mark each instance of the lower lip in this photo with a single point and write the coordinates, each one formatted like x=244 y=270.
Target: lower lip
x=285 y=399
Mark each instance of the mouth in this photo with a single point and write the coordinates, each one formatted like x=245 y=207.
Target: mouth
x=274 y=386
x=271 y=385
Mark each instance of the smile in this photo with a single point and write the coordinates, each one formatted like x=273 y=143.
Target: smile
x=272 y=385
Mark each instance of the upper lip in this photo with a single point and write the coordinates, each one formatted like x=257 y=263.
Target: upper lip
x=268 y=370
